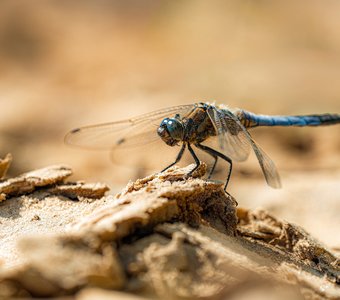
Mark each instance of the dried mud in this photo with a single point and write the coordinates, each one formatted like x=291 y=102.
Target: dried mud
x=165 y=236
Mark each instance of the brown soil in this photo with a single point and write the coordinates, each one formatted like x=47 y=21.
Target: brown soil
x=164 y=236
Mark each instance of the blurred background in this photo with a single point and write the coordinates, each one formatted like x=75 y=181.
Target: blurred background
x=64 y=64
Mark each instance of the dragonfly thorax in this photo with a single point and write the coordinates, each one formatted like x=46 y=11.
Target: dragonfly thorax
x=171 y=131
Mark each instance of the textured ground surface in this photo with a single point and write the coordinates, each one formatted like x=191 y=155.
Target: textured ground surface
x=163 y=236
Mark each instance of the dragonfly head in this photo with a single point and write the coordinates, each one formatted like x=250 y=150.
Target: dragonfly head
x=171 y=131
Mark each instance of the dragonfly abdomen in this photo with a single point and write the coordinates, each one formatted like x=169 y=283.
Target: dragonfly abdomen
x=249 y=119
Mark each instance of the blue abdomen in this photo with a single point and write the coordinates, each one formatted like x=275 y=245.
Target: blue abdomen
x=252 y=120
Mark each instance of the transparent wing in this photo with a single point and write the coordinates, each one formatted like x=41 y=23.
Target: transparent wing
x=126 y=133
x=145 y=158
x=235 y=142
x=232 y=139
x=268 y=167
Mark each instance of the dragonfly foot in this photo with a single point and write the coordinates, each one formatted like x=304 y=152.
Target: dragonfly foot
x=190 y=174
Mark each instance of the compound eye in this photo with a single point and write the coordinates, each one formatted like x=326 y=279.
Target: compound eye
x=165 y=122
x=175 y=128
x=172 y=126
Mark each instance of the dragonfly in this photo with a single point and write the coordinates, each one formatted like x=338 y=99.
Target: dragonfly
x=195 y=126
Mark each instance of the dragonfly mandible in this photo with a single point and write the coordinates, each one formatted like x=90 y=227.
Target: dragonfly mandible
x=192 y=126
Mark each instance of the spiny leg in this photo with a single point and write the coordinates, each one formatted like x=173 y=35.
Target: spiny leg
x=197 y=161
x=178 y=158
x=214 y=153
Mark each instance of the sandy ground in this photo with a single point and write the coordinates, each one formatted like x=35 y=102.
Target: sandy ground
x=165 y=235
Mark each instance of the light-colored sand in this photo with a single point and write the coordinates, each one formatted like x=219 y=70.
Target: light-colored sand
x=126 y=242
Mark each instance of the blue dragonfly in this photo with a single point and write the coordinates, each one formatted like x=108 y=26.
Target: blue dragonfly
x=197 y=125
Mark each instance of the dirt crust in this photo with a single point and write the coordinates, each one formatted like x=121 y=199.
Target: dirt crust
x=52 y=180
x=165 y=236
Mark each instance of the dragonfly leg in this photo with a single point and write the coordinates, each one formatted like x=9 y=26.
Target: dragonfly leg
x=213 y=155
x=214 y=165
x=216 y=154
x=178 y=158
x=197 y=161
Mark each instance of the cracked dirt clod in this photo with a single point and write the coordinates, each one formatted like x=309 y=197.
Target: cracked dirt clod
x=80 y=189
x=52 y=180
x=60 y=264
x=161 y=198
x=289 y=240
x=28 y=182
